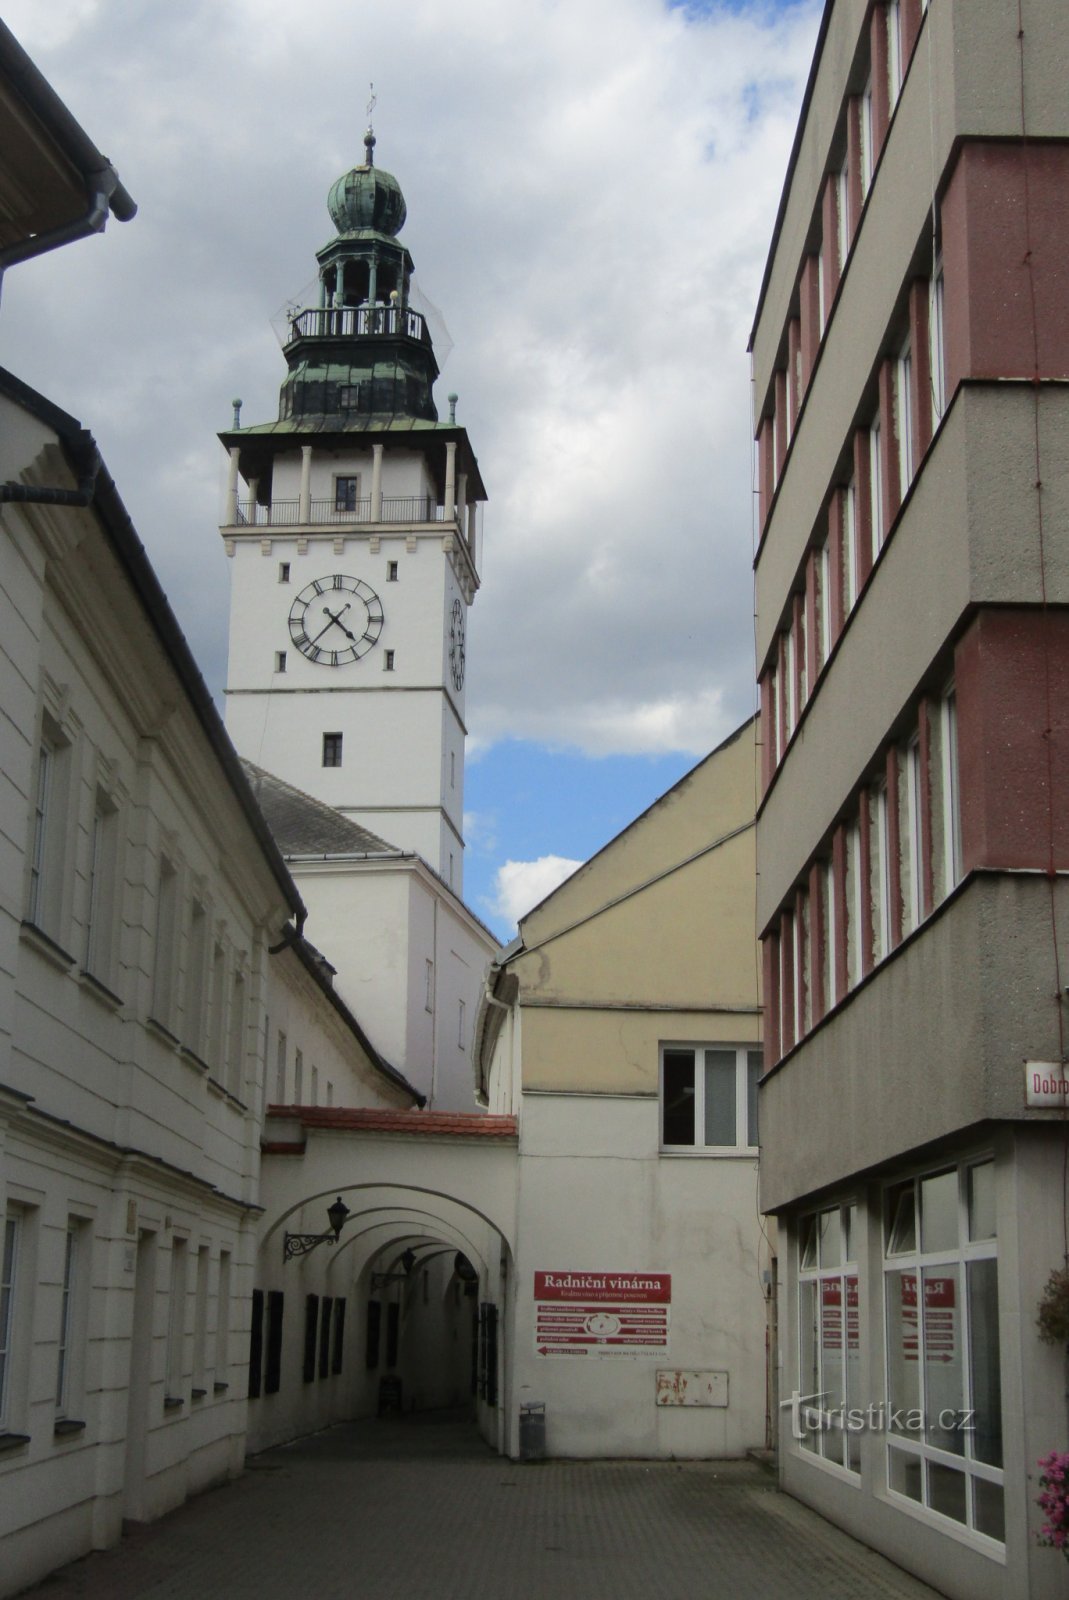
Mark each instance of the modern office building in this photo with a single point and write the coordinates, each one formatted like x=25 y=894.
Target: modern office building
x=910 y=359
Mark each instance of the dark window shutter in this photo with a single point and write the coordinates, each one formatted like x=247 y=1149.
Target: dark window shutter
x=256 y=1343
x=374 y=1331
x=339 y=1336
x=325 y=1322
x=273 y=1369
x=311 y=1320
x=491 y=1355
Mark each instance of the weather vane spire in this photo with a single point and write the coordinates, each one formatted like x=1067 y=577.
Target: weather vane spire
x=369 y=136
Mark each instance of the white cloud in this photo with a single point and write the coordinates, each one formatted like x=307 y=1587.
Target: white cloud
x=589 y=205
x=521 y=885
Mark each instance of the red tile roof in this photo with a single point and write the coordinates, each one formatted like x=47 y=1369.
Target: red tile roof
x=448 y=1124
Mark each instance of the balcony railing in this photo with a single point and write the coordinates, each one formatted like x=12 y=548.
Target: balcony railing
x=353 y=322
x=286 y=513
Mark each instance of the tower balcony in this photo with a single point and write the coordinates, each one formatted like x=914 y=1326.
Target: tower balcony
x=358 y=322
x=407 y=509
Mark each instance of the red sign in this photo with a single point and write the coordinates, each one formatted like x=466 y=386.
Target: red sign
x=601 y=1313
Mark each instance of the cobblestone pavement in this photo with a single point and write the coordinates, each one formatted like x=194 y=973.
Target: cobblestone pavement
x=420 y=1509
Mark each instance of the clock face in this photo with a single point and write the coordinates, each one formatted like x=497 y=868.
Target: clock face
x=456 y=645
x=335 y=620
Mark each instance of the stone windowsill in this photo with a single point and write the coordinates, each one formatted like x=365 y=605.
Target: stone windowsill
x=13 y=1441
x=100 y=991
x=66 y=1427
x=46 y=946
x=173 y=1402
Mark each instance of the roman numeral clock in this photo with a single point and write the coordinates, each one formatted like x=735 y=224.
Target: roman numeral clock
x=351 y=524
x=336 y=620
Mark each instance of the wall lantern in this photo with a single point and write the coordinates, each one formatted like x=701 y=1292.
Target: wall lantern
x=299 y=1244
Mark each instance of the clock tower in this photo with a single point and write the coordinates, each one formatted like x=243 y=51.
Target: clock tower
x=351 y=525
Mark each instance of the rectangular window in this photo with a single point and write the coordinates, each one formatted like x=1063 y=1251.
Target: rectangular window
x=222 y=1320
x=374 y=1334
x=311 y=1331
x=217 y=1010
x=876 y=486
x=387 y=660
x=200 y=1319
x=461 y=1039
x=842 y=191
x=280 y=660
x=709 y=1097
x=338 y=1352
x=822 y=298
x=894 y=51
x=790 y=670
x=346 y=494
x=314 y=1093
x=235 y=1053
x=326 y=1323
x=829 y=1354
x=952 y=853
x=103 y=889
x=48 y=843
x=855 y=902
x=176 y=1323
x=824 y=602
x=256 y=1345
x=831 y=936
x=42 y=807
x=193 y=1011
x=163 y=975
x=8 y=1268
x=273 y=1363
x=283 y=572
x=66 y=1311
x=935 y=341
x=850 y=544
x=280 y=1070
x=391 y=572
x=868 y=155
x=332 y=749
x=912 y=854
x=880 y=871
x=298 y=1077
x=944 y=1449
x=428 y=995
x=904 y=419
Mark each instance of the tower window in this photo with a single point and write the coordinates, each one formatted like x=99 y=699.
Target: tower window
x=346 y=493
x=283 y=572
x=391 y=572
x=280 y=660
x=387 y=661
x=332 y=749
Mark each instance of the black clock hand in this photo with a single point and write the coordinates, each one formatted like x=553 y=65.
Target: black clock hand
x=333 y=620
x=341 y=624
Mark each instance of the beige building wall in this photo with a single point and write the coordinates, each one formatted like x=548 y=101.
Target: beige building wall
x=651 y=943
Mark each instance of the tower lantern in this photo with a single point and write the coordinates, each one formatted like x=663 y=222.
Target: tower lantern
x=354 y=548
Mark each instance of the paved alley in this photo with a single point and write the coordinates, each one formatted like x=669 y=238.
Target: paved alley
x=415 y=1508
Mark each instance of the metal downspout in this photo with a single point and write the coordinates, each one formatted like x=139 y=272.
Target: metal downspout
x=92 y=222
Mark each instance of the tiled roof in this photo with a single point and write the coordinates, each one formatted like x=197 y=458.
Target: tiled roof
x=303 y=826
x=448 y=1124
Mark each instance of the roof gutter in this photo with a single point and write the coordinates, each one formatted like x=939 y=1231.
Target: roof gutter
x=104 y=190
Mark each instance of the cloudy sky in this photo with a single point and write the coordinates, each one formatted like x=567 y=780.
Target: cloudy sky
x=591 y=186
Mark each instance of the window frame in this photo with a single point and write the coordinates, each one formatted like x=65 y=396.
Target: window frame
x=748 y=1059
x=10 y=1252
x=914 y=1444
x=332 y=749
x=821 y=1274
